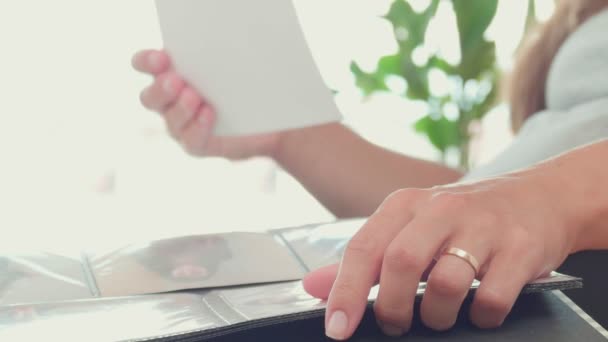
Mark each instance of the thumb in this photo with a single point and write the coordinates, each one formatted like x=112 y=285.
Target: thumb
x=319 y=283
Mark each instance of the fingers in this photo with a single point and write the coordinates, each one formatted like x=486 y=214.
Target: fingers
x=197 y=133
x=182 y=111
x=319 y=283
x=450 y=282
x=361 y=265
x=189 y=119
x=397 y=247
x=151 y=62
x=163 y=93
x=405 y=261
x=499 y=289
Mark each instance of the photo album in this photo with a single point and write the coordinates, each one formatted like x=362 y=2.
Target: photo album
x=204 y=286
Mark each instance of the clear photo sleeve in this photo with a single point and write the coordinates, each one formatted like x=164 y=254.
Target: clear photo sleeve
x=203 y=286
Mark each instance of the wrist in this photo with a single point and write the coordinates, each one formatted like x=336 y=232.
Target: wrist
x=277 y=151
x=573 y=183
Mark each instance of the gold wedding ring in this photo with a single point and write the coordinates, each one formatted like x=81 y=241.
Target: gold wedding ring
x=464 y=255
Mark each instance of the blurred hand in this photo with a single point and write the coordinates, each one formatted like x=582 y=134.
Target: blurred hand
x=516 y=227
x=189 y=117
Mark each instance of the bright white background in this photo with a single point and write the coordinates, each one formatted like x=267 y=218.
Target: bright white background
x=81 y=160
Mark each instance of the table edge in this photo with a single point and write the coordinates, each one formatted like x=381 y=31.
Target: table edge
x=595 y=325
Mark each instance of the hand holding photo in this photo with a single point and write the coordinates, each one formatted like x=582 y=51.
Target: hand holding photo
x=251 y=59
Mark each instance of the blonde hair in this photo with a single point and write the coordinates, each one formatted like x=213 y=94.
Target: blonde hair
x=529 y=77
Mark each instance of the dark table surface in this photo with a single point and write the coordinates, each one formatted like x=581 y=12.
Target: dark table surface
x=592 y=266
x=536 y=317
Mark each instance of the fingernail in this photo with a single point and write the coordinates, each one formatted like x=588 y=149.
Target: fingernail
x=337 y=326
x=391 y=330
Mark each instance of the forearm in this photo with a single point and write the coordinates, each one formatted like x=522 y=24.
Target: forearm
x=350 y=176
x=582 y=182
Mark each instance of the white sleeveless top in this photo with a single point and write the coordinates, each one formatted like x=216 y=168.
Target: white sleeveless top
x=577 y=104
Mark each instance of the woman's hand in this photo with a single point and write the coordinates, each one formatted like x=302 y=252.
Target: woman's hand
x=190 y=118
x=517 y=227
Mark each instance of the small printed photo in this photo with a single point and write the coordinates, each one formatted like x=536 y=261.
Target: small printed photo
x=193 y=262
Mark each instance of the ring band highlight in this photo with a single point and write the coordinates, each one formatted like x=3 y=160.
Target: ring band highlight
x=464 y=255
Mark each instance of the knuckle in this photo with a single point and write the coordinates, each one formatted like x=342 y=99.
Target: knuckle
x=343 y=292
x=492 y=304
x=524 y=244
x=404 y=197
x=360 y=246
x=173 y=76
x=190 y=103
x=446 y=285
x=400 y=204
x=401 y=259
x=488 y=219
x=449 y=202
x=190 y=95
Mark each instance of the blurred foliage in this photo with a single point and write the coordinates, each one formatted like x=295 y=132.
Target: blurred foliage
x=473 y=80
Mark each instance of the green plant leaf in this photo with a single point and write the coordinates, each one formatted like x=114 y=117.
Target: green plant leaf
x=479 y=58
x=403 y=17
x=473 y=18
x=478 y=63
x=442 y=133
x=400 y=65
x=367 y=82
x=390 y=65
x=441 y=64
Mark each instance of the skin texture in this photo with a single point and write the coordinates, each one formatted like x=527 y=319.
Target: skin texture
x=519 y=226
x=531 y=219
x=347 y=174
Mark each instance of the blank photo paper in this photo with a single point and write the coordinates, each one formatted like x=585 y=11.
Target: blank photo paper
x=251 y=61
